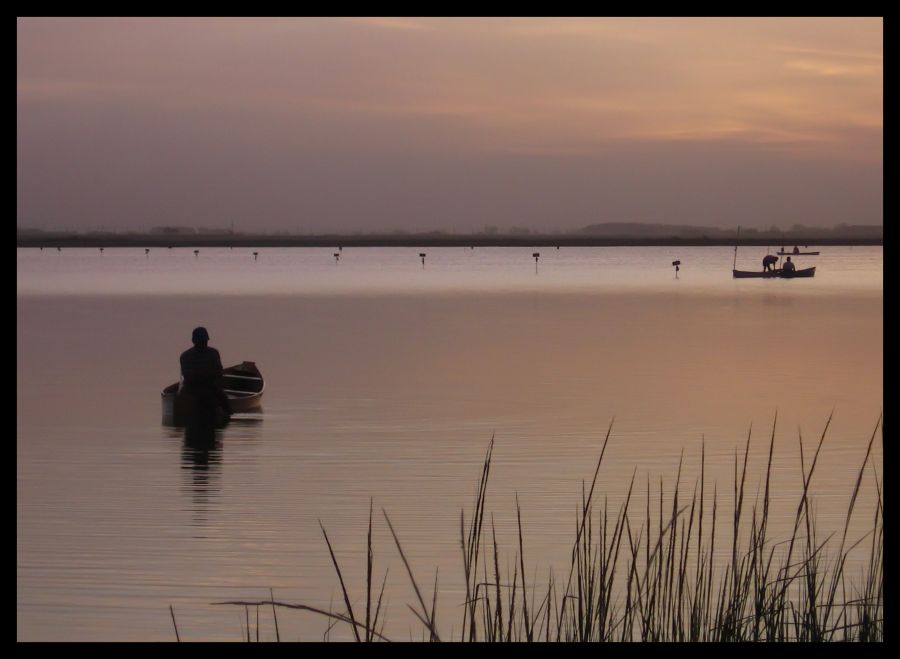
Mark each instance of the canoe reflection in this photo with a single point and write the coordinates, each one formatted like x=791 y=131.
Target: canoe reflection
x=201 y=464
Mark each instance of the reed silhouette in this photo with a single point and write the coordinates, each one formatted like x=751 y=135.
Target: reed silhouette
x=657 y=581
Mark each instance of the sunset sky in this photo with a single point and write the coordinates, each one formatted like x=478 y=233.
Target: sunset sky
x=381 y=124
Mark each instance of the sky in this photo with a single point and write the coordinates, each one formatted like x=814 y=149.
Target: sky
x=317 y=125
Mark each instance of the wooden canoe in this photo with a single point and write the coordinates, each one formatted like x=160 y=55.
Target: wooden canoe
x=797 y=253
x=774 y=274
x=244 y=386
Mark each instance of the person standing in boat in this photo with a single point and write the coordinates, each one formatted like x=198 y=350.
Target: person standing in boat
x=201 y=371
x=769 y=261
x=788 y=266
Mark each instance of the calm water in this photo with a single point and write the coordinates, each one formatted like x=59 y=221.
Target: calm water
x=386 y=380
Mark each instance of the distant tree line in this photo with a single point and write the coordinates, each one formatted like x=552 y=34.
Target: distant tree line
x=609 y=229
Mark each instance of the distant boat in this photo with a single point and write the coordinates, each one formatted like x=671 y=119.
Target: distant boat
x=772 y=274
x=244 y=386
x=797 y=253
x=767 y=274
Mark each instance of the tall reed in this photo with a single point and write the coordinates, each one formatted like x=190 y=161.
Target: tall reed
x=659 y=581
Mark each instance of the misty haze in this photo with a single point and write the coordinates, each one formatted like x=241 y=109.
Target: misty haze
x=449 y=329
x=337 y=125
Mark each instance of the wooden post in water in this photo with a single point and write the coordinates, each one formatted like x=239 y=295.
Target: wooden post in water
x=196 y=253
x=737 y=240
x=147 y=252
x=422 y=256
x=337 y=257
x=536 y=256
x=255 y=255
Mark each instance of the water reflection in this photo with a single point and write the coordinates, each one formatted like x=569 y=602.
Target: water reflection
x=201 y=464
x=395 y=397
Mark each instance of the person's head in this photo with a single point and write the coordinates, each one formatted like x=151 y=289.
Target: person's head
x=200 y=337
x=789 y=258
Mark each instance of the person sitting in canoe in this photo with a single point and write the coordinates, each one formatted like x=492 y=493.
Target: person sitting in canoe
x=201 y=371
x=796 y=249
x=788 y=266
x=769 y=261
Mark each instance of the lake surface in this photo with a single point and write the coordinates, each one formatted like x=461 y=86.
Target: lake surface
x=385 y=381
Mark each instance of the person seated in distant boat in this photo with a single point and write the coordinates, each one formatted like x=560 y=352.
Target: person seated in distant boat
x=788 y=266
x=769 y=261
x=201 y=370
x=796 y=249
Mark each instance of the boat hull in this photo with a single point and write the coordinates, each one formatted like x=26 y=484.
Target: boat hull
x=797 y=253
x=244 y=386
x=773 y=274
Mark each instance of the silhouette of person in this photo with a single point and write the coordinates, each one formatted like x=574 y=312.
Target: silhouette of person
x=769 y=262
x=788 y=266
x=796 y=249
x=201 y=373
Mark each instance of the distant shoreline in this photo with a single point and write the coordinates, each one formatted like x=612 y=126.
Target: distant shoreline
x=419 y=240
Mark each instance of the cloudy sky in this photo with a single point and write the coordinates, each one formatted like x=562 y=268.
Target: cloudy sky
x=412 y=124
